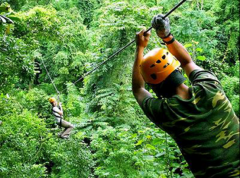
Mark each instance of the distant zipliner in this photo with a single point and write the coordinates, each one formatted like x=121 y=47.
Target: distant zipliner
x=57 y=112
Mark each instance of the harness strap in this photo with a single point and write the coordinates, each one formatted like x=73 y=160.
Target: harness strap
x=60 y=117
x=56 y=113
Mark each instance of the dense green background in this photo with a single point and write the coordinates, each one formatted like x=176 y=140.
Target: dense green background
x=112 y=138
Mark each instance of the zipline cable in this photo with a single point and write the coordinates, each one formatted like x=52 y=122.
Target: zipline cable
x=124 y=47
x=58 y=93
x=103 y=62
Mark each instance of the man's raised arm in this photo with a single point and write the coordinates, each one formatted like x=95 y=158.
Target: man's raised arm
x=138 y=84
x=162 y=27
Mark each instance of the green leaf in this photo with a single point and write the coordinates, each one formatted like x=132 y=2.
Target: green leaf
x=150 y=147
x=4 y=8
x=156 y=141
x=134 y=135
x=160 y=154
x=14 y=18
x=201 y=58
x=187 y=45
x=199 y=49
x=139 y=142
x=149 y=158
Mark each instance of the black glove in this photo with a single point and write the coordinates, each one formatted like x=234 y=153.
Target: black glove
x=162 y=26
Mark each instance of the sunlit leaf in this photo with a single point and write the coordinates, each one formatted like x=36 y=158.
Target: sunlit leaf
x=201 y=58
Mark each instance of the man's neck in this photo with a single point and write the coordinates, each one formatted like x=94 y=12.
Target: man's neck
x=182 y=91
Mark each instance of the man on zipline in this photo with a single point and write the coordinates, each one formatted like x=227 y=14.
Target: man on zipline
x=58 y=114
x=199 y=118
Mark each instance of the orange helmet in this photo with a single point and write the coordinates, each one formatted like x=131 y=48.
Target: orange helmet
x=157 y=65
x=52 y=100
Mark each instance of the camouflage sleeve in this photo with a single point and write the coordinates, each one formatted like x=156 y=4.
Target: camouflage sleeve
x=198 y=76
x=152 y=108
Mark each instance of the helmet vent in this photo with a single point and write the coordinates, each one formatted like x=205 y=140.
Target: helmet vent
x=166 y=65
x=164 y=57
x=154 y=76
x=153 y=65
x=158 y=61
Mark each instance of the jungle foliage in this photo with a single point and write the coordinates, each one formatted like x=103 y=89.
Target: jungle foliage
x=113 y=137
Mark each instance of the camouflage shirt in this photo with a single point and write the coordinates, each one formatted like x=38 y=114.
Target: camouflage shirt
x=205 y=127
